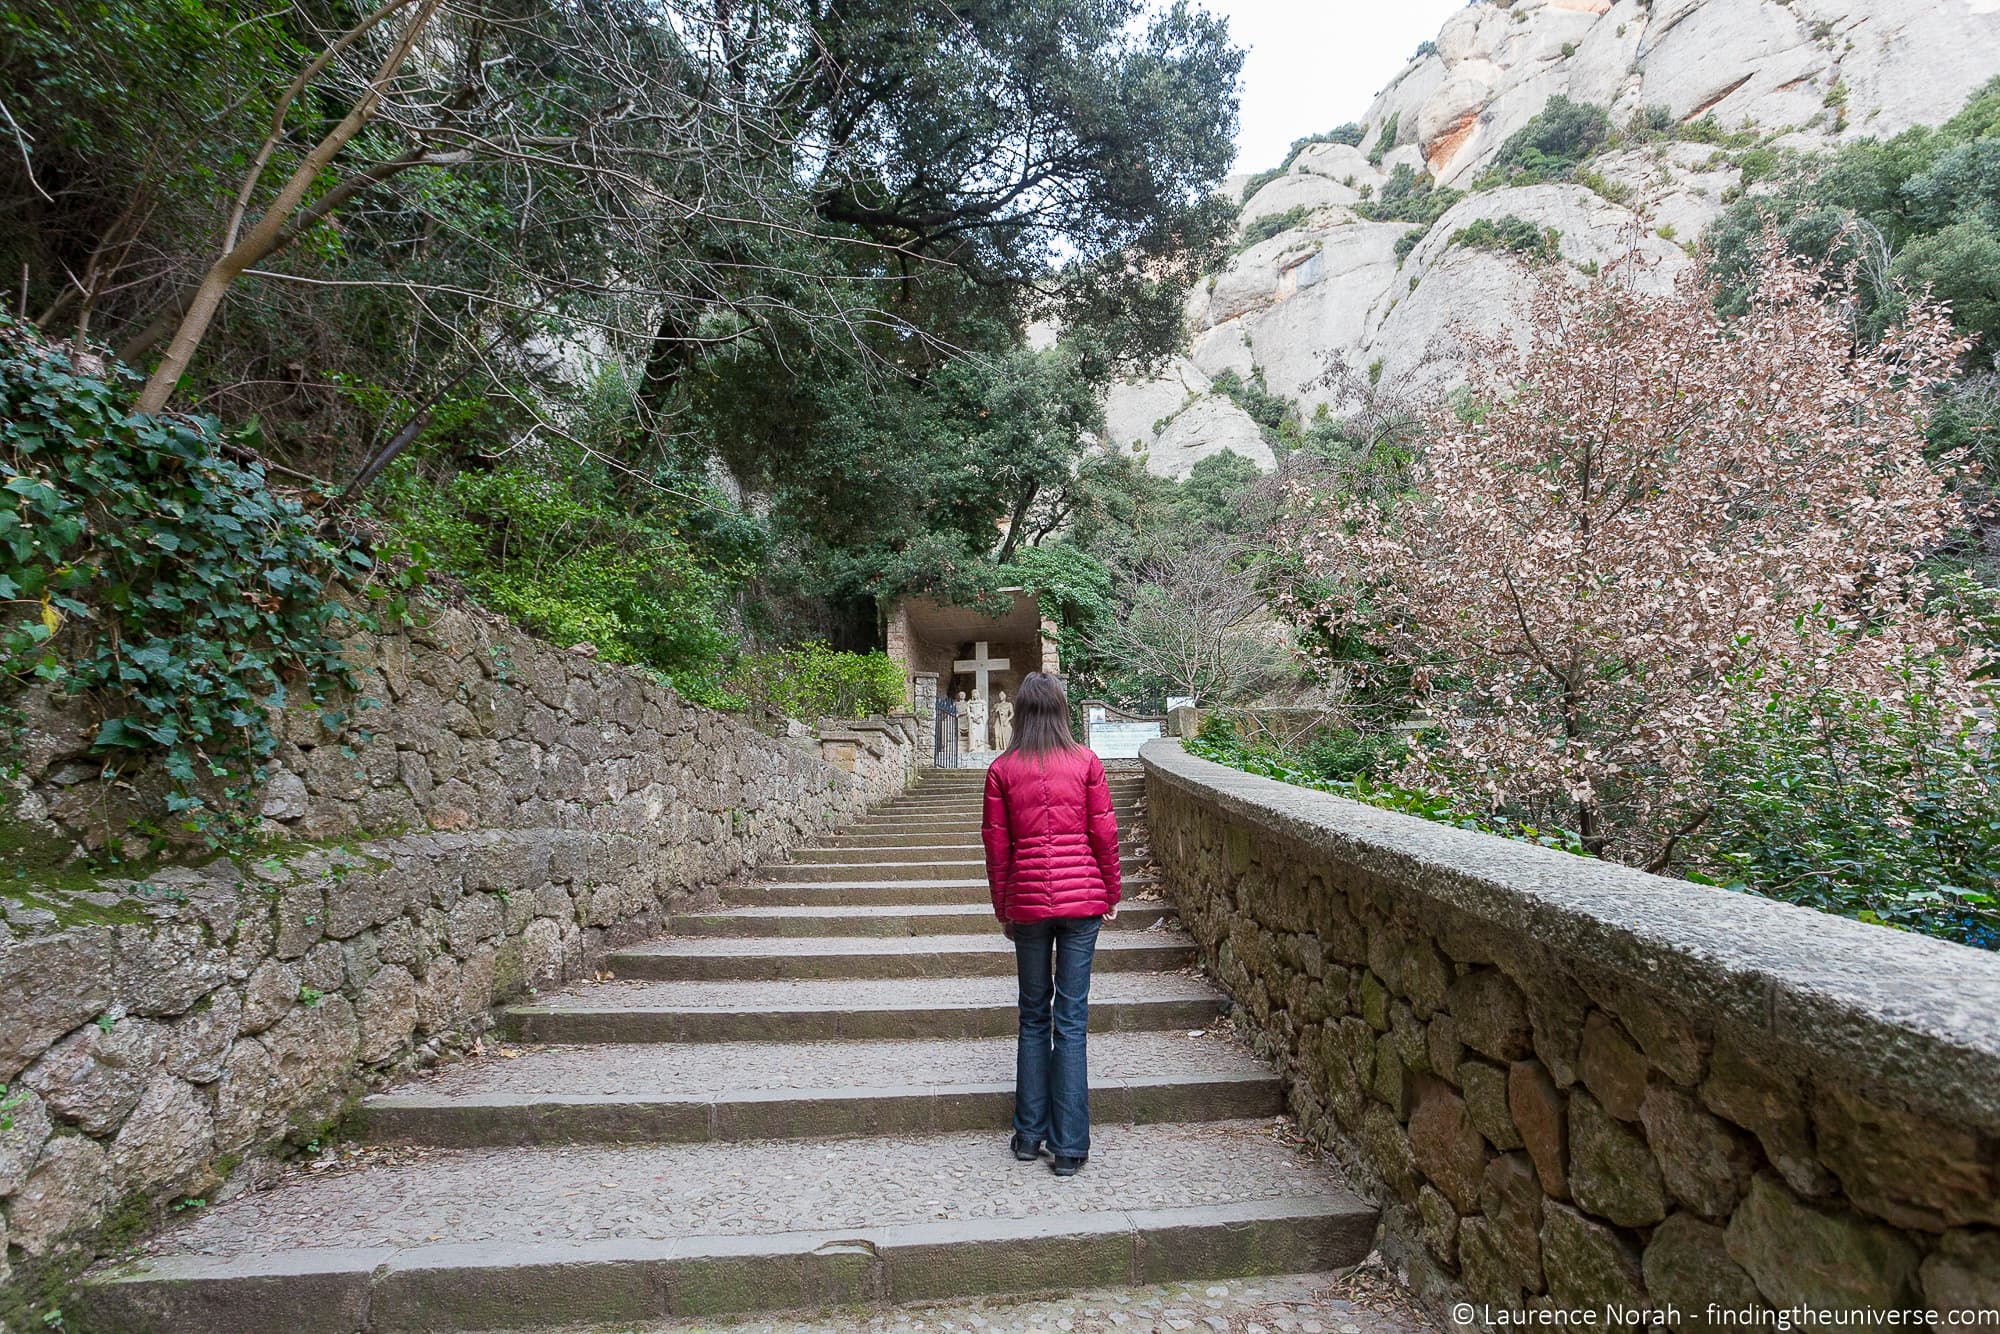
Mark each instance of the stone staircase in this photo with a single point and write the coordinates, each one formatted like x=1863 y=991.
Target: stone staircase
x=799 y=1101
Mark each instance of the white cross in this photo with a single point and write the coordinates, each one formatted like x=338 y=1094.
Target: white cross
x=980 y=664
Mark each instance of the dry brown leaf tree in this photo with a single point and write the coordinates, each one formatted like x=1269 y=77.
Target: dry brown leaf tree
x=1644 y=502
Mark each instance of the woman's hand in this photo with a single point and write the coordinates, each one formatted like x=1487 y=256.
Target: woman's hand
x=1007 y=930
x=1111 y=913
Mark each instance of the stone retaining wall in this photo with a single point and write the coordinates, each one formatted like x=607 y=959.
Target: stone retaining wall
x=1573 y=1084
x=511 y=812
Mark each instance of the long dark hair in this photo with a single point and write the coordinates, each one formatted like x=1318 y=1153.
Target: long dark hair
x=1041 y=718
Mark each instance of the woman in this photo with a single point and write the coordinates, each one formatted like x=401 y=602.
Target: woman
x=1052 y=864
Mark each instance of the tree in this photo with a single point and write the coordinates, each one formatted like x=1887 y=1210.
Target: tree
x=1193 y=624
x=1922 y=208
x=1647 y=504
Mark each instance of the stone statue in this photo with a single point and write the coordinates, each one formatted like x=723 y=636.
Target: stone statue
x=944 y=754
x=964 y=724
x=975 y=713
x=1003 y=720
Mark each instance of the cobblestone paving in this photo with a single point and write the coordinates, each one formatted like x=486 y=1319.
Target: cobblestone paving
x=1350 y=1303
x=634 y=1068
x=392 y=1197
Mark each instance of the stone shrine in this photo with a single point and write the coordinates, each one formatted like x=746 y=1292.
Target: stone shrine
x=946 y=651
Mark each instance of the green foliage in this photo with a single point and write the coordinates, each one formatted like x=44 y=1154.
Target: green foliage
x=1386 y=140
x=1271 y=224
x=1262 y=179
x=812 y=681
x=1886 y=810
x=1409 y=196
x=1346 y=753
x=1959 y=265
x=561 y=544
x=145 y=568
x=1073 y=590
x=1120 y=518
x=1551 y=145
x=1650 y=123
x=1601 y=185
x=1759 y=164
x=1408 y=242
x=1223 y=747
x=1349 y=134
x=1513 y=234
x=885 y=486
x=1919 y=210
x=1272 y=412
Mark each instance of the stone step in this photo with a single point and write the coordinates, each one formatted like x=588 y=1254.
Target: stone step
x=888 y=890
x=961 y=828
x=985 y=953
x=520 y=1238
x=857 y=867
x=683 y=1093
x=825 y=1010
x=1122 y=793
x=879 y=921
x=963 y=838
x=910 y=848
x=974 y=805
x=501 y=1119
x=976 y=778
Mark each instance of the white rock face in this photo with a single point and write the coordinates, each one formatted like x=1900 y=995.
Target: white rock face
x=1296 y=189
x=1207 y=426
x=1176 y=419
x=1801 y=73
x=1135 y=410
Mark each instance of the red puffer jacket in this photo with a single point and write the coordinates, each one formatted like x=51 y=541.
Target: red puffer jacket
x=1051 y=837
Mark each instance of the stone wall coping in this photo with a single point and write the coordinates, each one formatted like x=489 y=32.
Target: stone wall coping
x=1912 y=1013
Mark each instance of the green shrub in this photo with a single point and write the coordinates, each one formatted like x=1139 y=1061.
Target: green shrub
x=1385 y=140
x=1649 y=123
x=1272 y=224
x=1758 y=164
x=1348 y=754
x=1885 y=810
x=1408 y=196
x=1408 y=242
x=1349 y=134
x=1216 y=740
x=813 y=681
x=1262 y=179
x=1601 y=185
x=147 y=568
x=560 y=545
x=1929 y=198
x=1511 y=233
x=1272 y=412
x=1549 y=147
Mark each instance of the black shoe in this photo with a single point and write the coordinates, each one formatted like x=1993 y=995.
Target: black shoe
x=1066 y=1167
x=1023 y=1150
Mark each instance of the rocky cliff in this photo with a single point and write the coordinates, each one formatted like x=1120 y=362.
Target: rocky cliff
x=1715 y=83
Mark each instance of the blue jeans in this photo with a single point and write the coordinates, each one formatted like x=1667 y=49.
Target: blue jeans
x=1051 y=1081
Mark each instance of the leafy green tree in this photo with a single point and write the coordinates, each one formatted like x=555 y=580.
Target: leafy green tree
x=1919 y=209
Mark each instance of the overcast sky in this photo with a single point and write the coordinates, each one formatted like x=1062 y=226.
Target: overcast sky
x=1316 y=63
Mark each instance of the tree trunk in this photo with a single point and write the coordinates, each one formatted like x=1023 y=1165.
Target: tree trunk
x=264 y=238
